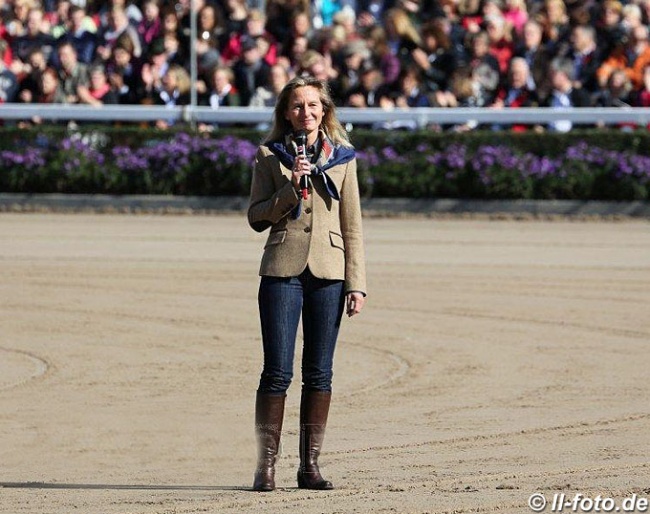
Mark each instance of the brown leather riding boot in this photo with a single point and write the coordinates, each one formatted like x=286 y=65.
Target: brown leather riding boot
x=269 y=412
x=314 y=408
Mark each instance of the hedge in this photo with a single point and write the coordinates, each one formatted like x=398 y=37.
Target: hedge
x=587 y=165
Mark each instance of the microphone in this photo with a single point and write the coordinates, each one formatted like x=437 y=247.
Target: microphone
x=301 y=142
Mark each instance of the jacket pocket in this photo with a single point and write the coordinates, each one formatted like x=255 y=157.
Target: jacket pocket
x=337 y=241
x=276 y=238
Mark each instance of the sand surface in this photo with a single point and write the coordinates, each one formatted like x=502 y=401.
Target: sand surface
x=495 y=359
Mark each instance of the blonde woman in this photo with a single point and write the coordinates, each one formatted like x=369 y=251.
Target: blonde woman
x=305 y=192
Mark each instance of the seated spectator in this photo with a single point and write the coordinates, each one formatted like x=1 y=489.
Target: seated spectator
x=117 y=25
x=131 y=10
x=537 y=57
x=517 y=91
x=83 y=39
x=371 y=88
x=72 y=73
x=557 y=30
x=169 y=22
x=485 y=69
x=222 y=94
x=33 y=36
x=638 y=54
x=99 y=91
x=632 y=17
x=353 y=53
x=8 y=81
x=255 y=30
x=564 y=93
x=371 y=12
x=17 y=20
x=610 y=31
x=49 y=92
x=641 y=98
x=124 y=72
x=59 y=20
x=175 y=91
x=617 y=91
x=435 y=60
x=388 y=62
x=150 y=27
x=402 y=36
x=211 y=25
x=236 y=14
x=515 y=12
x=251 y=71
x=30 y=83
x=500 y=41
x=267 y=96
x=586 y=57
x=152 y=71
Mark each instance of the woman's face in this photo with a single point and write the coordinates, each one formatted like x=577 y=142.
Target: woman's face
x=305 y=110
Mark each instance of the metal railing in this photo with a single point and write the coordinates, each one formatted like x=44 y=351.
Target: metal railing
x=420 y=117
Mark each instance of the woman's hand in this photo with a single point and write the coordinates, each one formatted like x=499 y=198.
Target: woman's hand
x=354 y=303
x=301 y=166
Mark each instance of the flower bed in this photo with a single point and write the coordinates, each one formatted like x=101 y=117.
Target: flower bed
x=197 y=164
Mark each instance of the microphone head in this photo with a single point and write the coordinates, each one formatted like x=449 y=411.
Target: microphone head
x=300 y=137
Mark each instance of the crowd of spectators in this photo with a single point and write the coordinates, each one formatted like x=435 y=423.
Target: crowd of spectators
x=373 y=53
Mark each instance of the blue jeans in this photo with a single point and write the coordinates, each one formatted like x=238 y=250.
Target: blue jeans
x=281 y=301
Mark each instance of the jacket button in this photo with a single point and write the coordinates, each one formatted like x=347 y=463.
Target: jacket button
x=308 y=210
x=308 y=229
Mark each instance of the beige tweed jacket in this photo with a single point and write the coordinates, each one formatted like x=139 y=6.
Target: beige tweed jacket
x=327 y=236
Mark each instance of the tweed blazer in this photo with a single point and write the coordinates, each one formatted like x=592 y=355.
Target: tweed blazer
x=327 y=236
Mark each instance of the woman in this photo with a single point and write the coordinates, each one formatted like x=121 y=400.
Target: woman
x=313 y=261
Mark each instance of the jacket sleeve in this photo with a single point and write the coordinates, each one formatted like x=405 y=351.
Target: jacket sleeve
x=268 y=205
x=352 y=232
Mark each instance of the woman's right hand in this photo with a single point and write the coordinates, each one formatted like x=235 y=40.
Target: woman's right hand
x=301 y=166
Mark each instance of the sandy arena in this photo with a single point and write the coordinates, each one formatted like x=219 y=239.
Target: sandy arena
x=494 y=360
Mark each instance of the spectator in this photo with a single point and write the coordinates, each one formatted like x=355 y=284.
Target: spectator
x=236 y=14
x=500 y=41
x=152 y=72
x=211 y=25
x=515 y=13
x=436 y=61
x=537 y=57
x=251 y=71
x=30 y=83
x=175 y=91
x=517 y=92
x=268 y=95
x=372 y=12
x=639 y=54
x=410 y=91
x=32 y=37
x=223 y=92
x=124 y=72
x=617 y=92
x=609 y=26
x=389 y=63
x=354 y=53
x=255 y=30
x=8 y=81
x=17 y=20
x=50 y=90
x=78 y=34
x=169 y=22
x=586 y=57
x=564 y=93
x=371 y=88
x=150 y=27
x=641 y=98
x=99 y=91
x=279 y=11
x=131 y=11
x=555 y=20
x=72 y=73
x=207 y=58
x=486 y=74
x=401 y=34
x=59 y=20
x=117 y=25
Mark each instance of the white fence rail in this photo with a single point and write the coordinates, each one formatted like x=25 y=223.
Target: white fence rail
x=252 y=116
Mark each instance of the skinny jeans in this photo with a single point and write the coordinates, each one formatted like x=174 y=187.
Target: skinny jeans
x=281 y=303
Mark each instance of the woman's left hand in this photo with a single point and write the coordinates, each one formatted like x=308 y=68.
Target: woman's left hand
x=354 y=303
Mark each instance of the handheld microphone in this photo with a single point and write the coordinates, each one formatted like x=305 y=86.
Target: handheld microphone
x=301 y=142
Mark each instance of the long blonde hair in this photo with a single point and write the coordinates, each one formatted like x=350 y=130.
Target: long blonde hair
x=330 y=123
